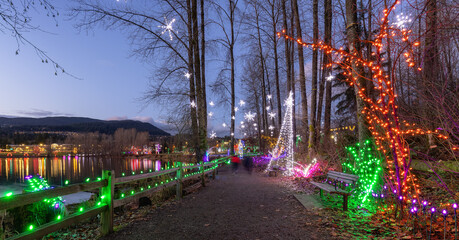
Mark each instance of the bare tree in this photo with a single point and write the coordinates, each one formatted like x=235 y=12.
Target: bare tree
x=304 y=98
x=15 y=19
x=176 y=47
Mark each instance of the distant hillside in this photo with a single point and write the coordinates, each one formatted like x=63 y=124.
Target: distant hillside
x=75 y=124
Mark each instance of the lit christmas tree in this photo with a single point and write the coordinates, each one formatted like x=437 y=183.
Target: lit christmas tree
x=282 y=154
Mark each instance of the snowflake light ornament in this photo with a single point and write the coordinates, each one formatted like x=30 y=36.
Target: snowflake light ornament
x=249 y=116
x=167 y=27
x=213 y=134
x=193 y=104
x=330 y=78
x=187 y=75
x=272 y=115
x=241 y=103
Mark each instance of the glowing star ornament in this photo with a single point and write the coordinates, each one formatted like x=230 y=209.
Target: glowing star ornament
x=213 y=135
x=270 y=96
x=167 y=27
x=211 y=114
x=233 y=117
x=249 y=116
x=212 y=103
x=267 y=108
x=224 y=125
x=271 y=127
x=187 y=75
x=241 y=103
x=272 y=115
x=193 y=104
x=330 y=78
x=236 y=109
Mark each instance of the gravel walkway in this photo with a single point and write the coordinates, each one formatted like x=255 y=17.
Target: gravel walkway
x=240 y=206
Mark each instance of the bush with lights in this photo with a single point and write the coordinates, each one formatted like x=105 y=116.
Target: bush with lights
x=365 y=162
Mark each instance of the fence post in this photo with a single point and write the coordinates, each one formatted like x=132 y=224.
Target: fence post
x=2 y=230
x=203 y=176
x=106 y=219
x=179 y=191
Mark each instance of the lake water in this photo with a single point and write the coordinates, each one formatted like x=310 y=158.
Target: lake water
x=75 y=169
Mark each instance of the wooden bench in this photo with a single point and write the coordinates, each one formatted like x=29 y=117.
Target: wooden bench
x=338 y=183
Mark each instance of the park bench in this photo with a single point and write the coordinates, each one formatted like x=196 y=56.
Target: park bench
x=338 y=183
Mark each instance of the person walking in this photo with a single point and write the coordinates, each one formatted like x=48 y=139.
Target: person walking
x=235 y=160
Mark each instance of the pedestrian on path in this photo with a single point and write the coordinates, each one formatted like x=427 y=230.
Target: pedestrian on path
x=235 y=160
x=248 y=163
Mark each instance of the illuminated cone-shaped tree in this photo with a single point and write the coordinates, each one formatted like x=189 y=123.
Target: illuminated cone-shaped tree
x=282 y=154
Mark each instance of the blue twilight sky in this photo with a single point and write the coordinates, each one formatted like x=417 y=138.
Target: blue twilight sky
x=112 y=81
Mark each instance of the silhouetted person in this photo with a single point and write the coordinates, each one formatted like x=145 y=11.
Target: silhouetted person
x=248 y=163
x=235 y=160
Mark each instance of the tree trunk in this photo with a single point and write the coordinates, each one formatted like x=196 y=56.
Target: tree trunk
x=233 y=93
x=193 y=113
x=263 y=82
x=276 y=65
x=354 y=48
x=431 y=66
x=304 y=99
x=312 y=123
x=327 y=70
x=287 y=50
x=203 y=63
x=292 y=56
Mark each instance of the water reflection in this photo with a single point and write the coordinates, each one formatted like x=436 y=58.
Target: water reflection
x=73 y=168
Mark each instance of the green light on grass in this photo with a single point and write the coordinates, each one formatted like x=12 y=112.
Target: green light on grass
x=98 y=204
x=31 y=227
x=150 y=170
x=87 y=179
x=81 y=209
x=141 y=171
x=141 y=189
x=8 y=194
x=132 y=192
x=59 y=217
x=66 y=182
x=149 y=186
x=122 y=174
x=133 y=173
x=122 y=195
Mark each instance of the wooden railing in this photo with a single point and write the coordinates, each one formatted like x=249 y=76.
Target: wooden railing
x=181 y=172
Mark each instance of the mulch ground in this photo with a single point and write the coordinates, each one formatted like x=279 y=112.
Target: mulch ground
x=240 y=206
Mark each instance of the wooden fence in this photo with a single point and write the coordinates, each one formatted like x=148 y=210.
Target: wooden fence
x=107 y=202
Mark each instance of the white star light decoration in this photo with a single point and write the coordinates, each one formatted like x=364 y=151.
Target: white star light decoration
x=241 y=103
x=272 y=115
x=193 y=104
x=211 y=114
x=224 y=125
x=271 y=127
x=330 y=78
x=213 y=135
x=249 y=116
x=236 y=109
x=267 y=108
x=212 y=103
x=270 y=96
x=187 y=75
x=167 y=27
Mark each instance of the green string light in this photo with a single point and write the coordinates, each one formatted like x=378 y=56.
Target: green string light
x=362 y=161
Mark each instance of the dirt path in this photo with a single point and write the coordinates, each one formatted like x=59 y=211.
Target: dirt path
x=240 y=206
